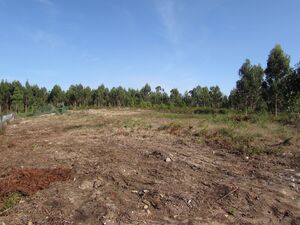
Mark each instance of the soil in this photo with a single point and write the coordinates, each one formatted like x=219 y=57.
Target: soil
x=88 y=167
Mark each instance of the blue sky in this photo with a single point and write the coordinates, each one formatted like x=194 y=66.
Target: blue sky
x=172 y=43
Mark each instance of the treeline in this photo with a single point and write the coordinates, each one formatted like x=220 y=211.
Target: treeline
x=30 y=98
x=274 y=89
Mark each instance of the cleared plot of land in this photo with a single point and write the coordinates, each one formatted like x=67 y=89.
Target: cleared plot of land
x=144 y=167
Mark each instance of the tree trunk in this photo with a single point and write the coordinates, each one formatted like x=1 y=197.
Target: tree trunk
x=276 y=106
x=246 y=107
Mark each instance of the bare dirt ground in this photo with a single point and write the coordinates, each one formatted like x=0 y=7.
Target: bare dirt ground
x=133 y=167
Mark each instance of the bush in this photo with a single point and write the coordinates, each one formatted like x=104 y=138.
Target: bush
x=145 y=105
x=292 y=119
x=207 y=110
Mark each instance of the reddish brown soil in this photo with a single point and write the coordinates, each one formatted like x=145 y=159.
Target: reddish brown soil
x=120 y=175
x=29 y=181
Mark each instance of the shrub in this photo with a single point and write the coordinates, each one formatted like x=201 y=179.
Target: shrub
x=207 y=110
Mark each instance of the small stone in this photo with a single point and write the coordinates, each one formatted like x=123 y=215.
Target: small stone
x=146 y=202
x=148 y=211
x=146 y=207
x=86 y=185
x=189 y=201
x=30 y=223
x=134 y=191
x=297 y=175
x=293 y=185
x=146 y=191
x=98 y=183
x=168 y=159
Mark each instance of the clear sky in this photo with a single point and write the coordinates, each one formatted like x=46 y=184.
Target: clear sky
x=172 y=43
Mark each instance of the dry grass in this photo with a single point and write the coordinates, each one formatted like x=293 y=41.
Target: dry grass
x=119 y=161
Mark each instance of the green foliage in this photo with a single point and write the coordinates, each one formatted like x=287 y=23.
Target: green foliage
x=280 y=90
x=56 y=96
x=247 y=95
x=11 y=201
x=292 y=119
x=232 y=211
x=17 y=96
x=200 y=96
x=206 y=110
x=216 y=97
x=278 y=68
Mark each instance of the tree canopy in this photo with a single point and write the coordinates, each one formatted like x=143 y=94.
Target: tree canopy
x=275 y=89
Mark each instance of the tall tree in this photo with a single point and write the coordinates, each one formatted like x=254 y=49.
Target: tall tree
x=5 y=95
x=145 y=92
x=17 y=96
x=100 y=96
x=234 y=100
x=200 y=96
x=56 y=96
x=216 y=96
x=75 y=95
x=175 y=97
x=278 y=67
x=249 y=85
x=28 y=96
x=292 y=89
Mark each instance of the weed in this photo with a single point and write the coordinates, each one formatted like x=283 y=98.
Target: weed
x=11 y=201
x=35 y=146
x=200 y=133
x=232 y=211
x=227 y=132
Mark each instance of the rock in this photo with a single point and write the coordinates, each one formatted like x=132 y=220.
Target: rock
x=297 y=175
x=98 y=183
x=86 y=185
x=292 y=185
x=168 y=159
x=134 y=191
x=292 y=179
x=146 y=202
x=146 y=191
x=146 y=207
x=30 y=223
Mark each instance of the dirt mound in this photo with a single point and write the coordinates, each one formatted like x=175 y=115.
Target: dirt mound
x=29 y=181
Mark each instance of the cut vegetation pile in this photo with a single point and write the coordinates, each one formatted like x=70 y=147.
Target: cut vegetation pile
x=25 y=182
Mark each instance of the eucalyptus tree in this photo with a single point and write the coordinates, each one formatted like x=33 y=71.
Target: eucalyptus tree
x=248 y=87
x=278 y=68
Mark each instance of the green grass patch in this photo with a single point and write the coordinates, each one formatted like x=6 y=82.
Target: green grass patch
x=11 y=201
